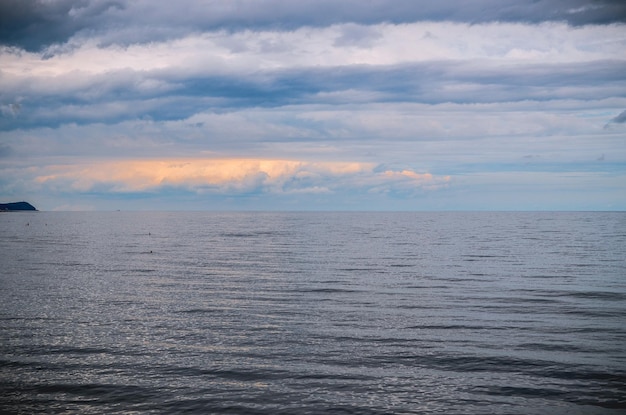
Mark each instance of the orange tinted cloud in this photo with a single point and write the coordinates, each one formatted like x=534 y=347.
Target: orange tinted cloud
x=232 y=175
x=408 y=174
x=145 y=175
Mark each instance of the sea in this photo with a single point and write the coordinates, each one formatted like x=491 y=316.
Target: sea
x=313 y=312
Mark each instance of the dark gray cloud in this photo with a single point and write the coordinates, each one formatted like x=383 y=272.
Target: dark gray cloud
x=36 y=24
x=620 y=119
x=5 y=151
x=115 y=96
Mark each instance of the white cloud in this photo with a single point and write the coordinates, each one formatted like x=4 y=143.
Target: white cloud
x=385 y=44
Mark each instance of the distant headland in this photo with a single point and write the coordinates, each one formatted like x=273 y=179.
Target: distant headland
x=16 y=206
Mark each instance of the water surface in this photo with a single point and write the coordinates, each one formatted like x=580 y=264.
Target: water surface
x=424 y=313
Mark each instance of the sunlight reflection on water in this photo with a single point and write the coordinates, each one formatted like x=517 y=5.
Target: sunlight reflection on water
x=313 y=312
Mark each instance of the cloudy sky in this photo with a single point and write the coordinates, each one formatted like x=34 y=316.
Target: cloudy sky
x=313 y=104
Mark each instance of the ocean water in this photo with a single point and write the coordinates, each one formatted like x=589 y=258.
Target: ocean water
x=305 y=313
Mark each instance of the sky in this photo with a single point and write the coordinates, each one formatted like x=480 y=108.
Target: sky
x=313 y=104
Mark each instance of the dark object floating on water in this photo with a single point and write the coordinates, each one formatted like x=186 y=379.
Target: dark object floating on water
x=16 y=206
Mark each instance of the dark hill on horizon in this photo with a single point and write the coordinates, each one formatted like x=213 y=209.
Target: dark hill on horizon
x=16 y=206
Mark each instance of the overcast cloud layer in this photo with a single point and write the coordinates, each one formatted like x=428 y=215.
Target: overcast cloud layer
x=418 y=105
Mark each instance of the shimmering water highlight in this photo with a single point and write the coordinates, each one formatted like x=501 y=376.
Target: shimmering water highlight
x=266 y=313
